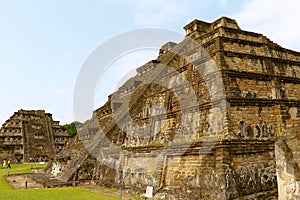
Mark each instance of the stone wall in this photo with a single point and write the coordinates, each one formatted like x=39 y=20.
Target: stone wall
x=31 y=134
x=199 y=122
x=255 y=121
x=288 y=172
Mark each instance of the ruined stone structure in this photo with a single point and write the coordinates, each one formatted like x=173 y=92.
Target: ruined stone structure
x=199 y=122
x=30 y=134
x=288 y=172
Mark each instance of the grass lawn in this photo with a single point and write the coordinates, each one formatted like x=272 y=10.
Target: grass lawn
x=8 y=193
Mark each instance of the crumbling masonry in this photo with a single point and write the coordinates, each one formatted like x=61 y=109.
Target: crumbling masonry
x=199 y=122
x=31 y=134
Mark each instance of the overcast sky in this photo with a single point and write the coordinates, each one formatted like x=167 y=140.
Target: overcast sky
x=43 y=44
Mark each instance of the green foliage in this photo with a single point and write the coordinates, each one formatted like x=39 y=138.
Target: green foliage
x=71 y=128
x=156 y=143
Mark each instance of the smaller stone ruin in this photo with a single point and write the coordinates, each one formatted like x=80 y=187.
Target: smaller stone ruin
x=31 y=135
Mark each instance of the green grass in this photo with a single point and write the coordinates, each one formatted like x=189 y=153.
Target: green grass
x=68 y=193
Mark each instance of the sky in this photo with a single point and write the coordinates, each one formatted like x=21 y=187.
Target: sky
x=43 y=44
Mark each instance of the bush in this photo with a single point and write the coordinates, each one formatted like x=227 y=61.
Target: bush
x=71 y=128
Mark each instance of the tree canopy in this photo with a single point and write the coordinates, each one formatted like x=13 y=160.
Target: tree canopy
x=71 y=128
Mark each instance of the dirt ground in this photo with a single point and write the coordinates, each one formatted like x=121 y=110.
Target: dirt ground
x=19 y=182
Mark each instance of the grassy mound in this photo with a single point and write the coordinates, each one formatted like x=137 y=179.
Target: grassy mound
x=7 y=192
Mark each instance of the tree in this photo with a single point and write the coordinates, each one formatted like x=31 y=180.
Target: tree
x=71 y=128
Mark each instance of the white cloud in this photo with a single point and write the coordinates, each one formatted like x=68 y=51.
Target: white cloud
x=278 y=20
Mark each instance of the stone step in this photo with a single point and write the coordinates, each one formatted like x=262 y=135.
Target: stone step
x=48 y=181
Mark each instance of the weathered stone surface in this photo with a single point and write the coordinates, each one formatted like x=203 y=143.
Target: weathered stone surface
x=31 y=134
x=199 y=122
x=288 y=172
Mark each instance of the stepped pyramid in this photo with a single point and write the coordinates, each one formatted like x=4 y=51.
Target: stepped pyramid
x=200 y=121
x=31 y=134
